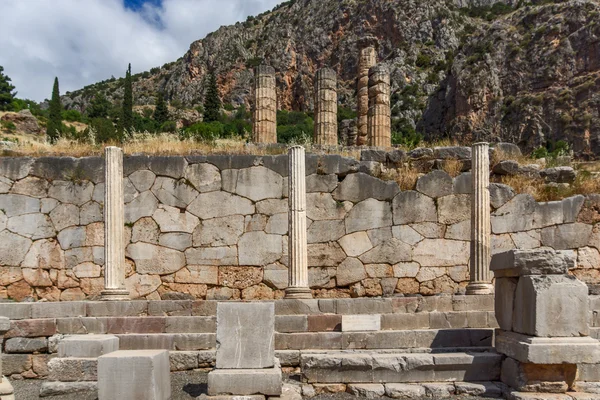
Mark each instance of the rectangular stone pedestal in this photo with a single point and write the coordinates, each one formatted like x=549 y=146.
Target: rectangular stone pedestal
x=87 y=346
x=134 y=374
x=559 y=350
x=265 y=381
x=545 y=378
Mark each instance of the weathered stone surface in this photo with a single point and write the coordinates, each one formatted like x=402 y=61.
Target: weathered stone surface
x=212 y=256
x=549 y=213
x=87 y=345
x=588 y=257
x=361 y=322
x=174 y=193
x=142 y=206
x=171 y=219
x=538 y=378
x=366 y=390
x=462 y=184
x=531 y=262
x=77 y=193
x=87 y=270
x=551 y=306
x=44 y=254
x=13 y=248
x=559 y=174
x=506 y=167
x=205 y=177
x=355 y=244
x=245 y=335
x=152 y=259
x=435 y=184
x=269 y=250
x=34 y=226
x=131 y=374
x=404 y=391
x=278 y=224
x=452 y=153
x=390 y=252
x=410 y=207
x=176 y=240
x=571 y=208
x=15 y=168
x=219 y=231
x=48 y=389
x=239 y=277
x=173 y=167
x=504 y=301
x=359 y=187
x=145 y=230
x=26 y=345
x=567 y=236
x=441 y=252
x=322 y=206
x=245 y=382
x=90 y=212
x=325 y=254
x=500 y=194
x=526 y=240
x=16 y=204
x=368 y=214
x=220 y=204
x=350 y=271
x=259 y=183
x=31 y=186
x=140 y=285
x=272 y=206
x=142 y=179
x=515 y=216
x=454 y=208
x=321 y=183
x=198 y=274
x=325 y=231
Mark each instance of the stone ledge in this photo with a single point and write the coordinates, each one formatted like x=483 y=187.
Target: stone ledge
x=265 y=381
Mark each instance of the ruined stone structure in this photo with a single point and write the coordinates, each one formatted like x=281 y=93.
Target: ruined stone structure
x=480 y=221
x=379 y=122
x=367 y=59
x=326 y=126
x=265 y=105
x=114 y=221
x=297 y=243
x=6 y=388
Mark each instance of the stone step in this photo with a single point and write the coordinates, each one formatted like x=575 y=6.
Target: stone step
x=167 y=341
x=70 y=369
x=365 y=367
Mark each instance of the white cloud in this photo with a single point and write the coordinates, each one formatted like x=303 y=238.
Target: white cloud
x=85 y=41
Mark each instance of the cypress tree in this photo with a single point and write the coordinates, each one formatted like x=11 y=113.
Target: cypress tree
x=212 y=102
x=161 y=111
x=127 y=117
x=6 y=91
x=54 y=125
x=99 y=106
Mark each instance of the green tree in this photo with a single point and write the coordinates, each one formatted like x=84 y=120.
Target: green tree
x=105 y=130
x=161 y=111
x=212 y=102
x=127 y=117
x=6 y=91
x=54 y=125
x=99 y=106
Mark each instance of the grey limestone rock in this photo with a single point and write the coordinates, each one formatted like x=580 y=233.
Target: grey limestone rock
x=435 y=184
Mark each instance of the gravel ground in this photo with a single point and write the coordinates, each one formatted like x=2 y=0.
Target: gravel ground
x=185 y=386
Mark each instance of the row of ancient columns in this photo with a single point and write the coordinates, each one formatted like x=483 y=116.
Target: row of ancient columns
x=114 y=250
x=373 y=111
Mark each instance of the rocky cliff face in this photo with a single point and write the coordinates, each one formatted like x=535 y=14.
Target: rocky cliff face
x=523 y=73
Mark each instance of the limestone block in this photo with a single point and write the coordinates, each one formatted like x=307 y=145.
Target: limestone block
x=176 y=240
x=588 y=257
x=435 y=184
x=322 y=206
x=259 y=183
x=44 y=254
x=516 y=215
x=15 y=204
x=504 y=301
x=245 y=336
x=67 y=388
x=567 y=236
x=25 y=345
x=355 y=243
x=153 y=259
x=462 y=184
x=441 y=252
x=145 y=230
x=173 y=167
x=316 y=183
x=404 y=391
x=559 y=174
x=571 y=208
x=171 y=219
x=323 y=254
x=142 y=179
x=454 y=208
x=13 y=248
x=407 y=234
x=357 y=323
x=220 y=204
x=527 y=240
x=142 y=206
x=34 y=226
x=90 y=346
x=360 y=186
x=551 y=306
x=452 y=152
x=65 y=215
x=276 y=276
x=223 y=231
x=131 y=374
x=325 y=231
x=278 y=224
x=500 y=194
x=90 y=212
x=272 y=206
x=77 y=193
x=73 y=369
x=367 y=390
x=212 y=256
x=368 y=214
x=174 y=193
x=411 y=206
x=269 y=251
x=351 y=270
x=205 y=177
x=531 y=262
x=245 y=382
x=527 y=377
x=391 y=251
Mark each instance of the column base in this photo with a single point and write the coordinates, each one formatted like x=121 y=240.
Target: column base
x=298 y=293
x=480 y=288
x=114 y=294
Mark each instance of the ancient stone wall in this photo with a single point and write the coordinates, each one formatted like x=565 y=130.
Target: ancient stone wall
x=215 y=227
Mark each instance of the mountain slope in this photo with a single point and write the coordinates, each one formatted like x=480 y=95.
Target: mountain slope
x=528 y=74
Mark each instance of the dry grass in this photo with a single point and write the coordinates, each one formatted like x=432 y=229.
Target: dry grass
x=452 y=167
x=405 y=176
x=584 y=184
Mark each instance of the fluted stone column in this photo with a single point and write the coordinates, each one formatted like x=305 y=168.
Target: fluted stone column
x=265 y=105
x=6 y=388
x=481 y=276
x=114 y=227
x=326 y=126
x=297 y=245
x=379 y=122
x=367 y=59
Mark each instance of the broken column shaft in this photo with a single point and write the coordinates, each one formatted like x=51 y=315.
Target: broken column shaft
x=379 y=124
x=367 y=59
x=265 y=105
x=326 y=126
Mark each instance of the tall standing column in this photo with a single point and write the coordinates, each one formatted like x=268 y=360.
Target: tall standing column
x=114 y=227
x=481 y=277
x=379 y=122
x=367 y=58
x=265 y=105
x=326 y=126
x=297 y=245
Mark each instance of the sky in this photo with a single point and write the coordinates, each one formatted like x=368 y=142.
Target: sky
x=86 y=41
